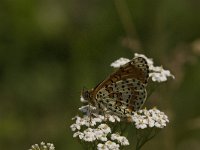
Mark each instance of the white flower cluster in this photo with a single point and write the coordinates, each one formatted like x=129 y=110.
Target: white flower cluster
x=109 y=145
x=120 y=139
x=91 y=128
x=91 y=118
x=92 y=134
x=160 y=75
x=157 y=73
x=42 y=146
x=149 y=118
x=119 y=62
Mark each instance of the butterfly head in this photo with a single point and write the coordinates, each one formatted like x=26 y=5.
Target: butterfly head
x=86 y=94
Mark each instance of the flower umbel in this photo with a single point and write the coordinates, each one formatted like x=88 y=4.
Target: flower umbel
x=95 y=128
x=42 y=146
x=108 y=145
x=119 y=62
x=149 y=118
x=120 y=139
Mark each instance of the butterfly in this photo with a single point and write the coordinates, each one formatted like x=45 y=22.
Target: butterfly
x=124 y=91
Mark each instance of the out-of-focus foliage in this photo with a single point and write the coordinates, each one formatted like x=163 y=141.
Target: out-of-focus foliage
x=50 y=50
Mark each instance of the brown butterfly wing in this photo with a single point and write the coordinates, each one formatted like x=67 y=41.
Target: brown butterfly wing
x=124 y=90
x=137 y=68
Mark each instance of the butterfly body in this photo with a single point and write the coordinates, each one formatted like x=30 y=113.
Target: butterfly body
x=122 y=92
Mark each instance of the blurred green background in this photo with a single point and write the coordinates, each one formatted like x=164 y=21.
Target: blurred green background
x=51 y=49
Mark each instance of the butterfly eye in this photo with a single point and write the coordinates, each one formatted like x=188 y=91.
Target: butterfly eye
x=88 y=94
x=85 y=94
